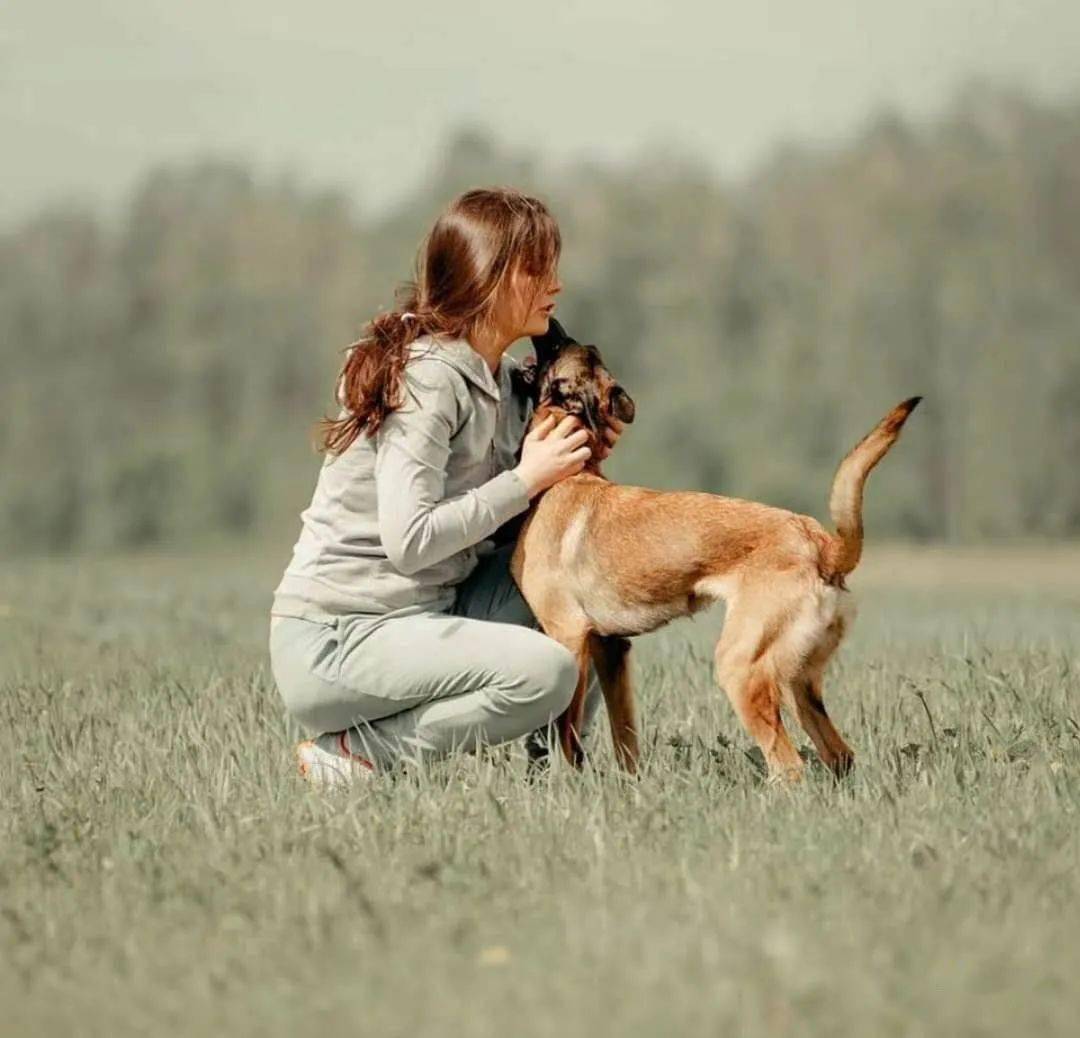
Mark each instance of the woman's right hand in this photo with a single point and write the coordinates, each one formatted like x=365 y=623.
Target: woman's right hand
x=550 y=452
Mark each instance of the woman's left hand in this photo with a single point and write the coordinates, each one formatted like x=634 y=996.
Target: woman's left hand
x=613 y=428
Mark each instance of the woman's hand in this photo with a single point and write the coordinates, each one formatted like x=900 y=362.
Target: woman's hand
x=613 y=428
x=551 y=452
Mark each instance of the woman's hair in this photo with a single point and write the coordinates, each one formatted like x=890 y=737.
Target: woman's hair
x=462 y=265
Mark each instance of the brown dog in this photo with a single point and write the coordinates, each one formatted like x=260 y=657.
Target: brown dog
x=598 y=563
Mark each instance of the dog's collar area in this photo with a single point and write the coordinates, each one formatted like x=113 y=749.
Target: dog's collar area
x=594 y=441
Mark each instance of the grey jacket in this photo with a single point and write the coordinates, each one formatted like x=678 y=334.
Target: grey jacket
x=398 y=520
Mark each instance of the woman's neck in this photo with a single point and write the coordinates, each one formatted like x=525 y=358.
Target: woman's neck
x=491 y=346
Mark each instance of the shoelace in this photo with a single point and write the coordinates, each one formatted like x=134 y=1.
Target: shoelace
x=343 y=742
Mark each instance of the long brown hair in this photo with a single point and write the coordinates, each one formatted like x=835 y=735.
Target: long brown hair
x=481 y=238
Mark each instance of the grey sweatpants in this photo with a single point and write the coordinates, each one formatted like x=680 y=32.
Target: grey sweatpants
x=420 y=685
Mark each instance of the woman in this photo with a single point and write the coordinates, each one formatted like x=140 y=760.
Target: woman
x=397 y=632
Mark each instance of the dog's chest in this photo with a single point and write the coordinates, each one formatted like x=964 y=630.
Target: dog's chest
x=610 y=616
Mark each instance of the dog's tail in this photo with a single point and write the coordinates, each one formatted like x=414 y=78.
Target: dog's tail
x=845 y=501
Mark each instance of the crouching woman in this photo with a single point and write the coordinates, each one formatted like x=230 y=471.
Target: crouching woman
x=397 y=632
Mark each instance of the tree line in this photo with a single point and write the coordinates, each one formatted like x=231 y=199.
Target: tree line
x=161 y=374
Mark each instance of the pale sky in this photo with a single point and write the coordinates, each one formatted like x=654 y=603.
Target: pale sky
x=361 y=95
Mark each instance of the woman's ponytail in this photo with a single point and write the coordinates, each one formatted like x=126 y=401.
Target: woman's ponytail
x=371 y=377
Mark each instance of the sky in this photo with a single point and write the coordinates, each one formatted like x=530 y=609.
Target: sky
x=363 y=95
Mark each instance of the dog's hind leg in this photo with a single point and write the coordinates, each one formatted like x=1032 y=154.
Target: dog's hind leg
x=806 y=692
x=829 y=743
x=747 y=662
x=611 y=656
x=755 y=695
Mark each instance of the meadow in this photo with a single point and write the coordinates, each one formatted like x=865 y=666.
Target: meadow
x=164 y=870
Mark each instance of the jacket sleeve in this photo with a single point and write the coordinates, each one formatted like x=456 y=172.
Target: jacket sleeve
x=418 y=527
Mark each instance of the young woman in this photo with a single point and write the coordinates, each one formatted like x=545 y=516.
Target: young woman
x=397 y=632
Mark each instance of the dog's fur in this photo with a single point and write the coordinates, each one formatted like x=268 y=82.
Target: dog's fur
x=599 y=563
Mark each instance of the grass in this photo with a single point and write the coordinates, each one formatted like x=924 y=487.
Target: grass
x=163 y=870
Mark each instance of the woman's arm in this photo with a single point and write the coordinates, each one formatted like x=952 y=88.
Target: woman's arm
x=417 y=526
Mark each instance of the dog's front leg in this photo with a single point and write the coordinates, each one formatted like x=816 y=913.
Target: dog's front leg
x=570 y=722
x=611 y=655
x=559 y=618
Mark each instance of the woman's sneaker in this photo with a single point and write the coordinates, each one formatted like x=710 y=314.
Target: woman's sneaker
x=328 y=761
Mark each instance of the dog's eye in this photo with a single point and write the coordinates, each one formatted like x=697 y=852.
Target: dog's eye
x=559 y=389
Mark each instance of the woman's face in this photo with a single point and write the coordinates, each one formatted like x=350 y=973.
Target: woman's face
x=527 y=303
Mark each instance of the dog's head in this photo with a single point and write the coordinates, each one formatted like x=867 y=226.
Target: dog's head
x=571 y=378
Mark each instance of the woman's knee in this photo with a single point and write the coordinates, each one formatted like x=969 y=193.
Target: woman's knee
x=554 y=672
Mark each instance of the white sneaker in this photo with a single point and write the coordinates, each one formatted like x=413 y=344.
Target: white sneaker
x=328 y=761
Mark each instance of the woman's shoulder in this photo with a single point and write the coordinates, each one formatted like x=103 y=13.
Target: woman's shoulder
x=425 y=369
x=431 y=386
x=425 y=373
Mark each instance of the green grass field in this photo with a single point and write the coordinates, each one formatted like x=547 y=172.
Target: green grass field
x=163 y=870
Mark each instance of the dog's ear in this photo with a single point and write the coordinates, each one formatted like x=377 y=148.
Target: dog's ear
x=550 y=343
x=622 y=405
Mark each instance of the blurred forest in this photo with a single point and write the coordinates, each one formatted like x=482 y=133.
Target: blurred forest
x=160 y=377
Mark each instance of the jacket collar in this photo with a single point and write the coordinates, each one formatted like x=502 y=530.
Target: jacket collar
x=459 y=354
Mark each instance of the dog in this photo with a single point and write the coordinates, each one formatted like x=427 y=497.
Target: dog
x=598 y=562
